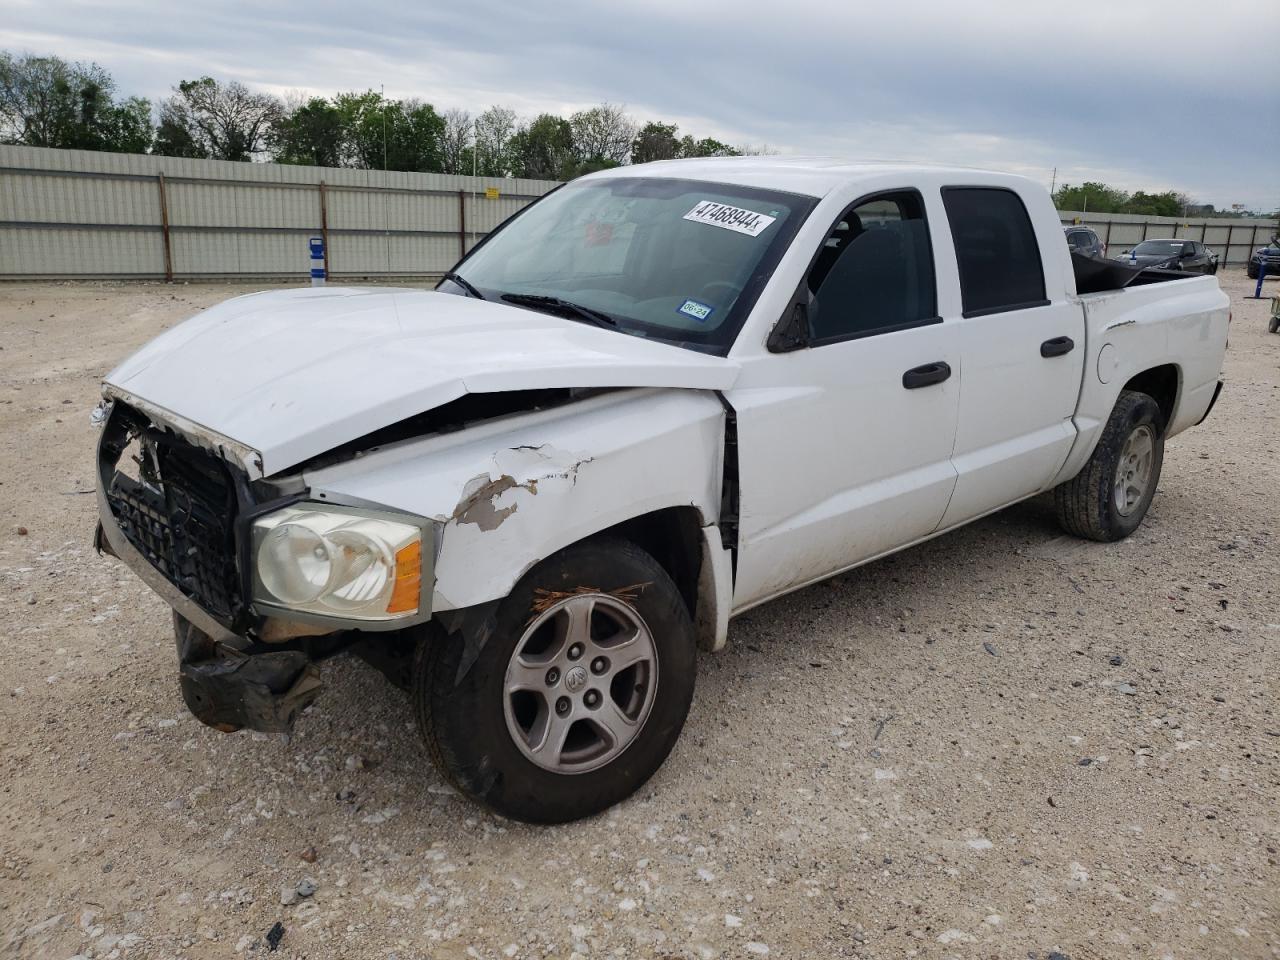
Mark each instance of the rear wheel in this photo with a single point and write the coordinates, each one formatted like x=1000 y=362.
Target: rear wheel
x=1108 y=498
x=1273 y=325
x=579 y=693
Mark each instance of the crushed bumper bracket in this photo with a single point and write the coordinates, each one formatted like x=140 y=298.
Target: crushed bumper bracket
x=229 y=688
x=264 y=691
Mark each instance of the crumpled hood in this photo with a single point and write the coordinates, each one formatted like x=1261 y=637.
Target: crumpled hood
x=293 y=373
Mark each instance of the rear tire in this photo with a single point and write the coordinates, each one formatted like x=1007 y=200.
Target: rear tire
x=1108 y=498
x=1273 y=325
x=577 y=696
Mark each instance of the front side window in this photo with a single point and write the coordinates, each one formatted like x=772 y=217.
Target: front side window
x=874 y=272
x=996 y=250
x=677 y=260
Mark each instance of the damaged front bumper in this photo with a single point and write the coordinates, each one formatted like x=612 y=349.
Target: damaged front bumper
x=182 y=525
x=227 y=681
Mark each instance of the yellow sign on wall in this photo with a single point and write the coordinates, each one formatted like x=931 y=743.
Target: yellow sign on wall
x=491 y=193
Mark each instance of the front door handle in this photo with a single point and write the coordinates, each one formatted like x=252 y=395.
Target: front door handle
x=926 y=375
x=1057 y=347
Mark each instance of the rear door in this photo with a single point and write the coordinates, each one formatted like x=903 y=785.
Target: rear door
x=1023 y=355
x=844 y=446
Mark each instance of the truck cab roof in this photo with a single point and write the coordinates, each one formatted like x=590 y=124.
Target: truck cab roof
x=810 y=176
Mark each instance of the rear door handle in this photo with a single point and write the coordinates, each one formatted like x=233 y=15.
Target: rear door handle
x=1057 y=347
x=926 y=375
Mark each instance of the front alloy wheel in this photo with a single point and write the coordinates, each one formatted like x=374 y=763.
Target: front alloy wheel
x=577 y=693
x=580 y=683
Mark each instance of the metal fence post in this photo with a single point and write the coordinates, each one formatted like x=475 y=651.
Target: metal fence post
x=324 y=224
x=164 y=230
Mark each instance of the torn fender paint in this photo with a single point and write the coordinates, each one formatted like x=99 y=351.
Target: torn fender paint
x=482 y=493
x=479 y=496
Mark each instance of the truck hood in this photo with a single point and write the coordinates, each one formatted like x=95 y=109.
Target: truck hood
x=290 y=374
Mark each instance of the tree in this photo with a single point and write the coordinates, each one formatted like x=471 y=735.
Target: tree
x=1167 y=204
x=493 y=132
x=225 y=121
x=391 y=134
x=1095 y=197
x=1090 y=196
x=602 y=136
x=655 y=141
x=175 y=138
x=455 y=141
x=129 y=126
x=543 y=149
x=309 y=133
x=48 y=102
x=706 y=147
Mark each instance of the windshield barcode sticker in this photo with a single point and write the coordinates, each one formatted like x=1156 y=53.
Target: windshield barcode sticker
x=730 y=218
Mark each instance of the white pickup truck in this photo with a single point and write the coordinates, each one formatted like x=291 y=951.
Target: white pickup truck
x=657 y=397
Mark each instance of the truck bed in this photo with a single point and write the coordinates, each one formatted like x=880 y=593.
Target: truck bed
x=1098 y=274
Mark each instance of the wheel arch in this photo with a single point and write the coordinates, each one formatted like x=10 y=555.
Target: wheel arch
x=1163 y=384
x=673 y=537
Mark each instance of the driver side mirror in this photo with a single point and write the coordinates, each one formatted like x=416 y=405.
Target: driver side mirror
x=795 y=329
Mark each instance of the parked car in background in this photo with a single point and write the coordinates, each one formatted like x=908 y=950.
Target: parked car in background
x=1270 y=255
x=1190 y=256
x=1084 y=240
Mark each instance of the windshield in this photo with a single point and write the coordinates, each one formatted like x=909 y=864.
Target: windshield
x=1160 y=248
x=677 y=260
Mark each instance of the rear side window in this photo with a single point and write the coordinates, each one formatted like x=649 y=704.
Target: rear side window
x=996 y=250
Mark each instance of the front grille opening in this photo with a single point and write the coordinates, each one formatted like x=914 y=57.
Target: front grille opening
x=176 y=503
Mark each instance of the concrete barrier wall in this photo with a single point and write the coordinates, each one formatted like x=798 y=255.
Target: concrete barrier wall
x=82 y=214
x=1232 y=239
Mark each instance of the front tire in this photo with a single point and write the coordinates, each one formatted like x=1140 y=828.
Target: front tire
x=577 y=696
x=1109 y=497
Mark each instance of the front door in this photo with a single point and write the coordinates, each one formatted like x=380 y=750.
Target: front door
x=844 y=445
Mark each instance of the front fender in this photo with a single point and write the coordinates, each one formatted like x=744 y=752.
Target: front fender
x=510 y=492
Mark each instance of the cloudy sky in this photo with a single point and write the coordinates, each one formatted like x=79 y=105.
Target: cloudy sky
x=1175 y=94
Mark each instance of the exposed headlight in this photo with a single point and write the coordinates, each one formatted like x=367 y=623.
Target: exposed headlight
x=338 y=562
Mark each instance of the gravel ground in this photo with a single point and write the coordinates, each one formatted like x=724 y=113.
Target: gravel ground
x=1004 y=743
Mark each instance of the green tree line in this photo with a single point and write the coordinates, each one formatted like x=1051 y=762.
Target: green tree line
x=1093 y=197
x=46 y=101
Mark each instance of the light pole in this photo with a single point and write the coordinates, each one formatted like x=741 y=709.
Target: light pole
x=475 y=168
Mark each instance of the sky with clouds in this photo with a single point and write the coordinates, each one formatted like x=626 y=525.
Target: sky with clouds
x=1175 y=94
